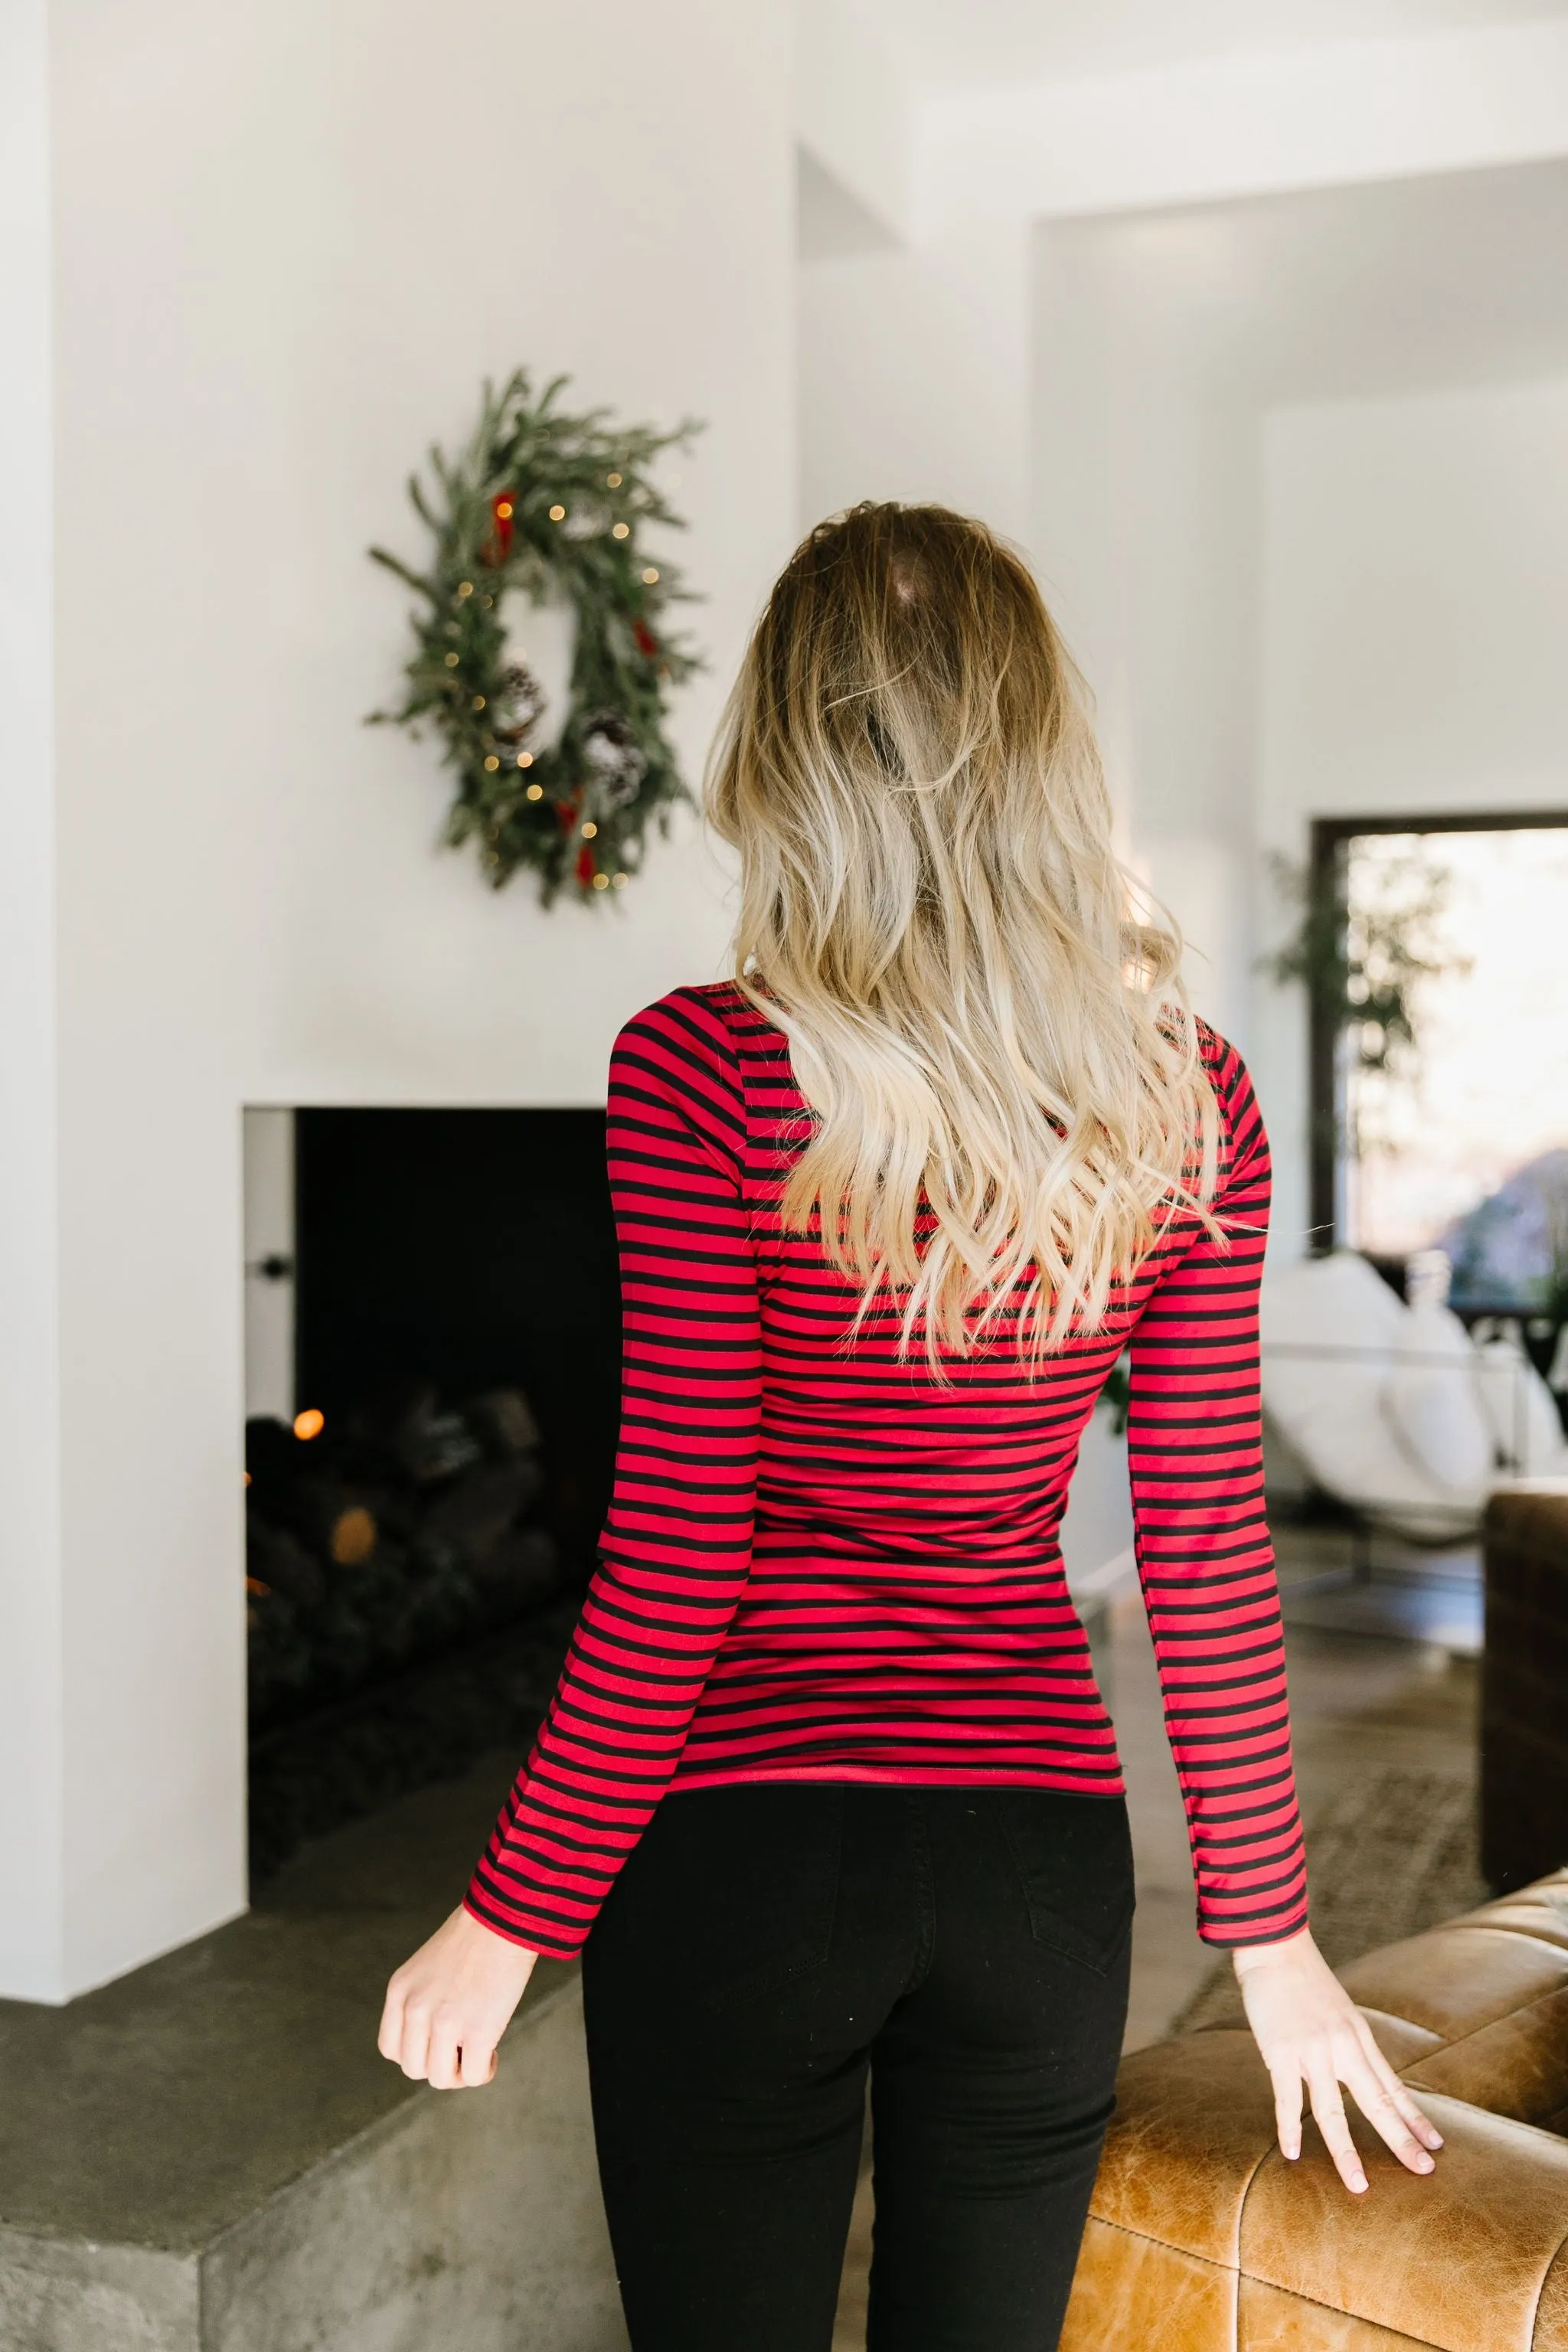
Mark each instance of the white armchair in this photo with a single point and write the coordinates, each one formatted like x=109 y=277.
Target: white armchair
x=1392 y=1408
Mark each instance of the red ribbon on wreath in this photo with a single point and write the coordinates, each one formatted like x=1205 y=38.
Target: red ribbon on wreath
x=501 y=509
x=642 y=637
x=567 y=813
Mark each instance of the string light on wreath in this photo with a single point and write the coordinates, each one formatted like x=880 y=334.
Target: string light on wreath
x=552 y=506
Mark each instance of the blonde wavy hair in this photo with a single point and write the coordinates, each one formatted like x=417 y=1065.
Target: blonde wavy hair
x=1008 y=1103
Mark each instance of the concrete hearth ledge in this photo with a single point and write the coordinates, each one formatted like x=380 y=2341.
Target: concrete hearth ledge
x=210 y=2155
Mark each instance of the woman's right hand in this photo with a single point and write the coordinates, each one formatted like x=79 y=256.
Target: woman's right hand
x=1312 y=2033
x=448 y=2006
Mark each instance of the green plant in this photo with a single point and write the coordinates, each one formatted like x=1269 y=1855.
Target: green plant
x=1363 y=955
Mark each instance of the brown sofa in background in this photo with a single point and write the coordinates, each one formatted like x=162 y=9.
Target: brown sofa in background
x=1524 y=1684
x=1203 y=2238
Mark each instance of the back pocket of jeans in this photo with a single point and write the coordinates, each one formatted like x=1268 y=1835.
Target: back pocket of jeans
x=750 y=1873
x=1074 y=1860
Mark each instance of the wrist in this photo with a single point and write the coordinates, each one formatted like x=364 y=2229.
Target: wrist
x=497 y=1949
x=1248 y=1959
x=506 y=1936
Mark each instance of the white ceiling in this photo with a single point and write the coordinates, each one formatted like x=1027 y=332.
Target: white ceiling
x=978 y=44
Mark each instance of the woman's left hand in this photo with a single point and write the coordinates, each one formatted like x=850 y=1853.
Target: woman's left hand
x=448 y=2006
x=1310 y=2032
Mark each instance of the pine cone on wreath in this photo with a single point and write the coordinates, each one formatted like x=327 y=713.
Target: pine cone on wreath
x=614 y=760
x=523 y=698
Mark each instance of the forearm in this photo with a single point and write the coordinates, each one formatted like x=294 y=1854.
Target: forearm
x=605 y=1754
x=677 y=1542
x=1196 y=1463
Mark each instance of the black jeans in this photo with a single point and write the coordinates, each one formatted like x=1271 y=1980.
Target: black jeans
x=765 y=1947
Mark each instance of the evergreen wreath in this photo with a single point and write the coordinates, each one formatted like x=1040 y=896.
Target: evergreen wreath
x=555 y=505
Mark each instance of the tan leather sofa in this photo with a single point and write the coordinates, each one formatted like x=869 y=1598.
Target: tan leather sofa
x=1203 y=2238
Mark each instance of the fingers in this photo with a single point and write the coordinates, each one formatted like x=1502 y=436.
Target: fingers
x=1388 y=2108
x=389 y=2034
x=428 y=2050
x=443 y=2063
x=413 y=2050
x=476 y=2066
x=446 y=2007
x=454 y=2065
x=1329 y=2107
x=1287 y=2082
x=1419 y=2123
x=1382 y=2099
x=404 y=2033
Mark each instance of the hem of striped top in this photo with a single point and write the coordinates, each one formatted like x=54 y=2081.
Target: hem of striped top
x=898 y=1776
x=1231 y=1942
x=548 y=1947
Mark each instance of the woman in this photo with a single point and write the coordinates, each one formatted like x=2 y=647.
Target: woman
x=891 y=1203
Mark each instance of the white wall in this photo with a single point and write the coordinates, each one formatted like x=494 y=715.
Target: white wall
x=914 y=378
x=1145 y=536
x=288 y=243
x=268 y=1235
x=852 y=111
x=31 y=1833
x=1415 y=594
x=1416 y=585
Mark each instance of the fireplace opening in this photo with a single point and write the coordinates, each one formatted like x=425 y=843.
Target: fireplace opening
x=433 y=1362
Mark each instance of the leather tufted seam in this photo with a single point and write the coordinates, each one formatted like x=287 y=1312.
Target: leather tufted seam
x=1168 y=2246
x=1241 y=2206
x=1546 y=2271
x=1228 y=2269
x=1372 y=2009
x=1478 y=1921
x=1334 y=2310
x=1446 y=2049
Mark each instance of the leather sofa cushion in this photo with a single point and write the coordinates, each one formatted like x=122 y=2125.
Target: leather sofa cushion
x=1270 y=2321
x=1194 y=2119
x=1541 y=1911
x=1517 y=2066
x=1552 y=2312
x=1194 y=2203
x=1402 y=2043
x=1458 y=1979
x=1457 y=2259
x=1203 y=2238
x=1129 y=2290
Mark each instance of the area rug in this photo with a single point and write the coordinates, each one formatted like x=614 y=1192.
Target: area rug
x=1385 y=1859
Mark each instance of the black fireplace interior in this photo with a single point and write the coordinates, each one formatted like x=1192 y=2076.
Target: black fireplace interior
x=475 y=1250
x=420 y=1538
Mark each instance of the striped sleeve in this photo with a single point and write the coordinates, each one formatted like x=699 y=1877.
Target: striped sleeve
x=676 y=1547
x=1196 y=1454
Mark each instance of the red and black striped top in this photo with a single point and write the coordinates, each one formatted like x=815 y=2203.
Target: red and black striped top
x=821 y=1564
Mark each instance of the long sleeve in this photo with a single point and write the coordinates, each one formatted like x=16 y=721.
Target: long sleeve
x=676 y=1547
x=1195 y=1452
